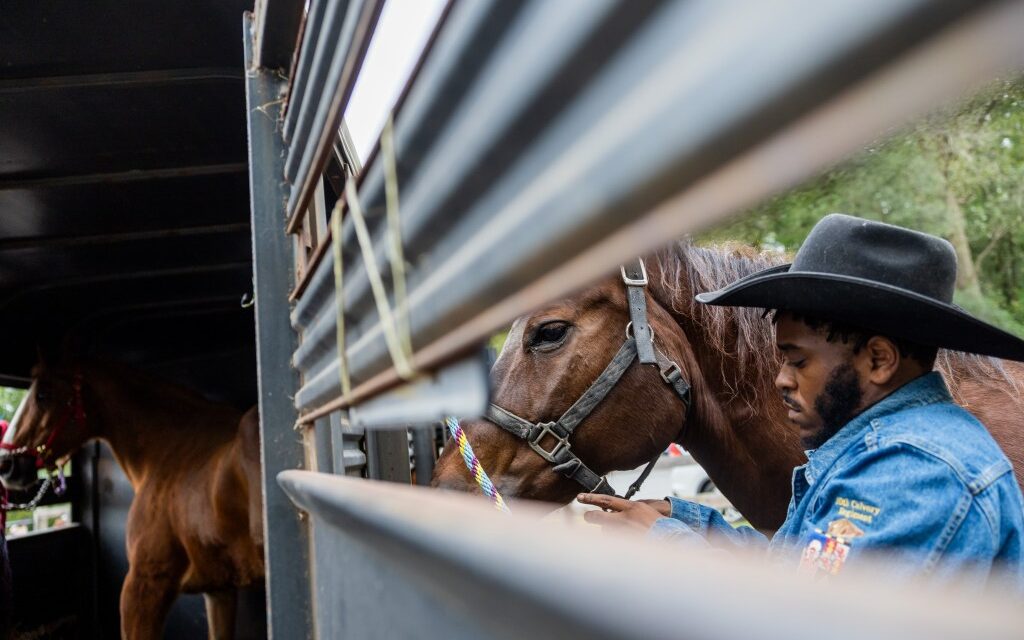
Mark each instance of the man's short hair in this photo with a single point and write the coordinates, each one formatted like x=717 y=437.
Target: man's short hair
x=859 y=336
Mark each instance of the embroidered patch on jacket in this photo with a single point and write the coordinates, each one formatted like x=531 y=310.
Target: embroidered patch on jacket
x=843 y=528
x=857 y=510
x=827 y=552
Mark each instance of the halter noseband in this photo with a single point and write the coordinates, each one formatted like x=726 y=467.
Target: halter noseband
x=44 y=454
x=639 y=344
x=75 y=411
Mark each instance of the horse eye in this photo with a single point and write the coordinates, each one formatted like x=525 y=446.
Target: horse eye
x=550 y=333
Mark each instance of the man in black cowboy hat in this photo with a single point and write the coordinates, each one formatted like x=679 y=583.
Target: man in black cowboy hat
x=894 y=466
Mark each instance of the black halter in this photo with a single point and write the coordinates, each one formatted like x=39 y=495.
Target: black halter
x=639 y=344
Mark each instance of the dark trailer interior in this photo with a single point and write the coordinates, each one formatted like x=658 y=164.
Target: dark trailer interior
x=124 y=226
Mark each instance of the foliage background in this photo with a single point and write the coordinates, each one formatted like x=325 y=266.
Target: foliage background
x=958 y=174
x=9 y=401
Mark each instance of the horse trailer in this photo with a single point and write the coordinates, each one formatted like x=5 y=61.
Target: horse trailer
x=180 y=192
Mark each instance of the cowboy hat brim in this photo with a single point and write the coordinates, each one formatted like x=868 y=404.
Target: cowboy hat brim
x=889 y=310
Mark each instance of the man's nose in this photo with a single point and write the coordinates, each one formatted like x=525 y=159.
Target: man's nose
x=784 y=381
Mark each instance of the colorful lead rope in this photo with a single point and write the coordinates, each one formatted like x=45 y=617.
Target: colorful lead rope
x=473 y=464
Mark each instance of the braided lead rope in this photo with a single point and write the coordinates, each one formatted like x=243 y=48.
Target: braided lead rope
x=474 y=466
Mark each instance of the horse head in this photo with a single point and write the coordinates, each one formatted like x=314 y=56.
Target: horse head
x=550 y=359
x=49 y=425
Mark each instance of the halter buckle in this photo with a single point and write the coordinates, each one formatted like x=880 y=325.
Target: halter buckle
x=561 y=443
x=635 y=282
x=672 y=374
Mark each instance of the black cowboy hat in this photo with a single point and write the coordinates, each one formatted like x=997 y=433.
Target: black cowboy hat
x=877 y=276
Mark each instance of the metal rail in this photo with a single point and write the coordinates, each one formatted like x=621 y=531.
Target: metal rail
x=456 y=568
x=316 y=113
x=286 y=541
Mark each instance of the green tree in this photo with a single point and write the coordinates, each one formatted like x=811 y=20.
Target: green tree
x=958 y=173
x=9 y=401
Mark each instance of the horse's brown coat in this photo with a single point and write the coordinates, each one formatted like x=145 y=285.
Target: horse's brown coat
x=195 y=522
x=737 y=429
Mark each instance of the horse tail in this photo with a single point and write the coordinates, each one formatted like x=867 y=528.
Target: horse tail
x=249 y=441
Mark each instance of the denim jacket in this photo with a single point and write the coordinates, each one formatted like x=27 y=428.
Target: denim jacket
x=914 y=479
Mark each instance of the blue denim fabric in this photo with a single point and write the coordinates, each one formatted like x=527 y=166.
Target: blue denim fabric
x=920 y=477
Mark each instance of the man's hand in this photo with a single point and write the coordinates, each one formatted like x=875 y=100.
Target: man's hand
x=619 y=513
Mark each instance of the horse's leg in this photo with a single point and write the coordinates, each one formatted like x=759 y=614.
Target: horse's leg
x=220 y=614
x=156 y=564
x=249 y=445
x=146 y=598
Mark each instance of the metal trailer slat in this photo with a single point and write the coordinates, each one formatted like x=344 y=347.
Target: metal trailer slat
x=311 y=145
x=444 y=70
x=683 y=95
x=455 y=567
x=286 y=543
x=338 y=26
x=495 y=102
x=300 y=78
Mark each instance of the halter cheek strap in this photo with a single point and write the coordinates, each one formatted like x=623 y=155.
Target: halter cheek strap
x=550 y=440
x=75 y=411
x=634 y=276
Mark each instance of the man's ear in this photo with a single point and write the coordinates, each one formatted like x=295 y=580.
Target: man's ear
x=884 y=359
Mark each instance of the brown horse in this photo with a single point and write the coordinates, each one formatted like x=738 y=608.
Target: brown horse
x=195 y=523
x=736 y=427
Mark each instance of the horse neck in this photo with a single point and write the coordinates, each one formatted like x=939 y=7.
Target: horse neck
x=738 y=430
x=146 y=422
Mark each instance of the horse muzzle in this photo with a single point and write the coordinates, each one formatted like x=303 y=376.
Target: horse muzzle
x=18 y=472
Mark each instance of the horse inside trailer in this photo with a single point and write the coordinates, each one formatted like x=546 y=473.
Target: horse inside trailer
x=125 y=235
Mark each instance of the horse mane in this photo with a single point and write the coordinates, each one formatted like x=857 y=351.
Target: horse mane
x=744 y=338
x=740 y=335
x=990 y=372
x=139 y=384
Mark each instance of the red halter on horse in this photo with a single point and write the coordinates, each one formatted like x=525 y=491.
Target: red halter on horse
x=42 y=455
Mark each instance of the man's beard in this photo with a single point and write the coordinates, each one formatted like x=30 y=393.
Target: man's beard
x=838 y=403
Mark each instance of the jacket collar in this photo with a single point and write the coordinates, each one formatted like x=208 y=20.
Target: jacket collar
x=924 y=390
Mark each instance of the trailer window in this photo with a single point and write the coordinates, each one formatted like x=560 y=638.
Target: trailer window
x=401 y=34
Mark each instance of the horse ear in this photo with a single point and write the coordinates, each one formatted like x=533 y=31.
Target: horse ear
x=40 y=356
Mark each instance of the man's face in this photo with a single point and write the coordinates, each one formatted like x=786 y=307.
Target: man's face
x=819 y=382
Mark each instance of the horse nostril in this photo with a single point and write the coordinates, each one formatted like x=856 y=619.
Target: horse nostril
x=451 y=481
x=6 y=467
